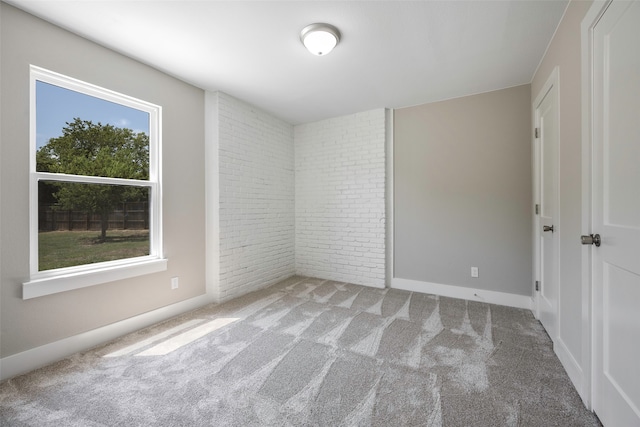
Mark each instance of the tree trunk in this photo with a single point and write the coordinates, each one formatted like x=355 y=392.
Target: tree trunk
x=104 y=224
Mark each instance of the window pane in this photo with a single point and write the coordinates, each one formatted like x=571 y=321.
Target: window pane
x=80 y=134
x=88 y=223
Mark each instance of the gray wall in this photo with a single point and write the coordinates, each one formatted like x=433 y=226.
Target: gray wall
x=463 y=191
x=32 y=323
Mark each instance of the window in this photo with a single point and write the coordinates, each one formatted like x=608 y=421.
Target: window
x=95 y=193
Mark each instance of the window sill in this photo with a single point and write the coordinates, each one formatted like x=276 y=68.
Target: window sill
x=67 y=282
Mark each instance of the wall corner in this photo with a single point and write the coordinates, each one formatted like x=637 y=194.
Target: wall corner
x=212 y=196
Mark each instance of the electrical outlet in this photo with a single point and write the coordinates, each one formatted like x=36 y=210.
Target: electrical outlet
x=174 y=283
x=474 y=271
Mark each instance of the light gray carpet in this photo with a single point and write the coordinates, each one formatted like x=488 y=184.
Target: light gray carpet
x=310 y=352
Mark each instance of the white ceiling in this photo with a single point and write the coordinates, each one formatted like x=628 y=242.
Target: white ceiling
x=392 y=53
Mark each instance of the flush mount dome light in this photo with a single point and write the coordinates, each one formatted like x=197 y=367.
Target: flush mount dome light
x=319 y=38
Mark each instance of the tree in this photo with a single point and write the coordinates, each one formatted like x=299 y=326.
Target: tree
x=95 y=150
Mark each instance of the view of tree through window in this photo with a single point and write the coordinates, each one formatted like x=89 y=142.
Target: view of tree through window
x=81 y=221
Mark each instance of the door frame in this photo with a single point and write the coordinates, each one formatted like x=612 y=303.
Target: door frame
x=552 y=81
x=588 y=24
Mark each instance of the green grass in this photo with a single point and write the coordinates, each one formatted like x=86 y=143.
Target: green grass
x=58 y=249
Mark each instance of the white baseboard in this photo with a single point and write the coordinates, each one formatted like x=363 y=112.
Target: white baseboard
x=471 y=294
x=572 y=367
x=38 y=357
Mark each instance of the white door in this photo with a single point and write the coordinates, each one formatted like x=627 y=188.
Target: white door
x=616 y=214
x=546 y=118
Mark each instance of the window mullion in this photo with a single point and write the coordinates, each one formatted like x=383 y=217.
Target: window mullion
x=61 y=177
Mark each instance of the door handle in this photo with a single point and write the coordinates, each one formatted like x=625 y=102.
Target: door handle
x=591 y=239
x=548 y=228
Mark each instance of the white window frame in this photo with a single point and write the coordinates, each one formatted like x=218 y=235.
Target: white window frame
x=64 y=279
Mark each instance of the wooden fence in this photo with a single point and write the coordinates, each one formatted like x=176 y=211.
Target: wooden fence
x=127 y=216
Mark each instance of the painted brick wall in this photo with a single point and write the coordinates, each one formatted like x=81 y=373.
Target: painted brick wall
x=340 y=198
x=256 y=198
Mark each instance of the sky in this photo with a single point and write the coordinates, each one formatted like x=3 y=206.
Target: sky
x=55 y=106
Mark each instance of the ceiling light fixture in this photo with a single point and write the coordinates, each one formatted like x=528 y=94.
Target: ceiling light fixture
x=319 y=38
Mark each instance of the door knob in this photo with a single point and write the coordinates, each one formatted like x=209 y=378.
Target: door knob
x=591 y=239
x=548 y=228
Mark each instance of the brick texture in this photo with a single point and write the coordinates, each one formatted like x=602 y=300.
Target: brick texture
x=340 y=198
x=256 y=178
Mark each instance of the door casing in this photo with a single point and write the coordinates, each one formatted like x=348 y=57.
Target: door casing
x=587 y=26
x=552 y=83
